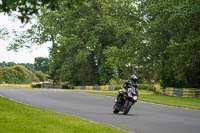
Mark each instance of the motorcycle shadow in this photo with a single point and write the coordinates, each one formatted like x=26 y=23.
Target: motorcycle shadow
x=121 y=114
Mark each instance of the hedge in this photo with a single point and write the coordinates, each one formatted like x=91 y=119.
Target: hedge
x=17 y=75
x=42 y=76
x=1 y=76
x=145 y=87
x=140 y=86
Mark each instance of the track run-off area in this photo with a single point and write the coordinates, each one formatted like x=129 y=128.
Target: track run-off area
x=143 y=117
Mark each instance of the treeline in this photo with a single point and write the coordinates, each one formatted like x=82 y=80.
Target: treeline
x=18 y=74
x=97 y=41
x=24 y=73
x=40 y=64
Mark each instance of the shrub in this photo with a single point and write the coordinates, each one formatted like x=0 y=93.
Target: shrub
x=117 y=84
x=140 y=86
x=1 y=75
x=11 y=76
x=24 y=75
x=18 y=75
x=118 y=87
x=157 y=88
x=145 y=86
x=40 y=75
x=28 y=76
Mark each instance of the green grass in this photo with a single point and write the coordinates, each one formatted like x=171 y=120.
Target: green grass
x=192 y=103
x=15 y=86
x=149 y=96
x=20 y=118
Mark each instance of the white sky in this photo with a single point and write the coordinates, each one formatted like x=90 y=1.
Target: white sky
x=23 y=55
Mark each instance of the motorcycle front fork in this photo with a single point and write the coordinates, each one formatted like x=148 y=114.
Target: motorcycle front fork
x=120 y=99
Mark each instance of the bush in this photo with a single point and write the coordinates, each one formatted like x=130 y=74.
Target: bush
x=140 y=86
x=11 y=76
x=119 y=84
x=40 y=75
x=22 y=75
x=1 y=75
x=116 y=83
x=18 y=75
x=157 y=88
x=145 y=87
x=28 y=76
x=118 y=87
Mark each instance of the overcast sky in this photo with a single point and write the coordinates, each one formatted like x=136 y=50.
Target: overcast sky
x=24 y=55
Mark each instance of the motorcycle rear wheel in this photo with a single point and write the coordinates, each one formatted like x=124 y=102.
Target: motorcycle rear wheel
x=115 y=110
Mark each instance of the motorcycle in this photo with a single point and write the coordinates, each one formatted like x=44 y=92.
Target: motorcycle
x=125 y=100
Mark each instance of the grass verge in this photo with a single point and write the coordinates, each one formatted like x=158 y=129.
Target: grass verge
x=185 y=102
x=20 y=118
x=148 y=96
x=15 y=86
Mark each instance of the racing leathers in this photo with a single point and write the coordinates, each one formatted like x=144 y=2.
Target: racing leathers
x=126 y=86
x=130 y=84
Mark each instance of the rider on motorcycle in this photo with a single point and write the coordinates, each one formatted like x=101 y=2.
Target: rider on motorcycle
x=132 y=83
x=129 y=84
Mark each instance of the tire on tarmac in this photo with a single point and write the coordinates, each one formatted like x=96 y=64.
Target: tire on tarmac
x=115 y=110
x=127 y=107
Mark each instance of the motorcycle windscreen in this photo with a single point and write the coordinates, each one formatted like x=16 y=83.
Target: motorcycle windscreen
x=131 y=91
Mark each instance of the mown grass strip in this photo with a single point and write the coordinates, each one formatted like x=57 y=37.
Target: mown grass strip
x=15 y=86
x=185 y=102
x=20 y=118
x=148 y=96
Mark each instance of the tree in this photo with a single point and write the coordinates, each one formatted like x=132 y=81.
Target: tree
x=1 y=75
x=172 y=38
x=41 y=64
x=3 y=64
x=9 y=64
x=99 y=40
x=40 y=75
x=29 y=66
x=4 y=34
x=26 y=8
x=81 y=34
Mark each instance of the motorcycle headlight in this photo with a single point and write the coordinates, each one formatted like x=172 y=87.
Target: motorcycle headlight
x=115 y=100
x=135 y=97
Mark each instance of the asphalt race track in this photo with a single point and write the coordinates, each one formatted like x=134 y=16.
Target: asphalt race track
x=143 y=117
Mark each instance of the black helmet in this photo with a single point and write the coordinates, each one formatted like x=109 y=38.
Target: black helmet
x=133 y=78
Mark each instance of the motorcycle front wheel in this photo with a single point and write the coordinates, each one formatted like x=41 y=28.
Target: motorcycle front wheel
x=127 y=107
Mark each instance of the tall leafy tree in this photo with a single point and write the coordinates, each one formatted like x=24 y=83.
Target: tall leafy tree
x=27 y=8
x=41 y=64
x=172 y=40
x=81 y=34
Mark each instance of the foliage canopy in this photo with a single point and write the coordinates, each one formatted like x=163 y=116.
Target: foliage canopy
x=99 y=40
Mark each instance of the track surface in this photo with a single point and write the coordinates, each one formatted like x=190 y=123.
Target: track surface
x=143 y=117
